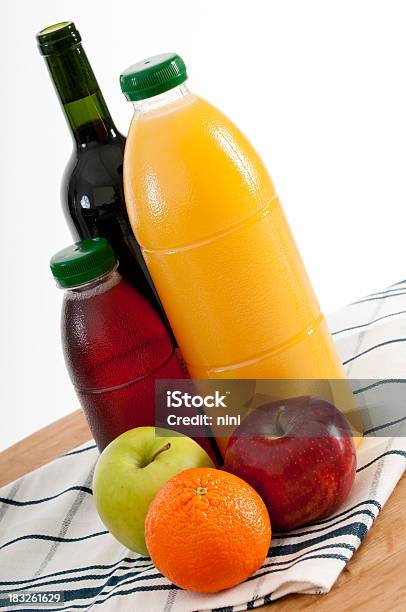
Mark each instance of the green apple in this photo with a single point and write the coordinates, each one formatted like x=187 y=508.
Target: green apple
x=129 y=473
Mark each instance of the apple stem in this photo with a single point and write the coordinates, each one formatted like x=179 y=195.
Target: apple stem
x=165 y=447
x=278 y=427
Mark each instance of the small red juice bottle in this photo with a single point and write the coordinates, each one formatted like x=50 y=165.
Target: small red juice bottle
x=114 y=343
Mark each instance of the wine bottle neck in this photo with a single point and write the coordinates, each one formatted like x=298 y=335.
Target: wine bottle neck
x=90 y=120
x=82 y=101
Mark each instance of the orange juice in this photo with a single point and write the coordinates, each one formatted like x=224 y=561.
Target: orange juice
x=217 y=244
x=215 y=239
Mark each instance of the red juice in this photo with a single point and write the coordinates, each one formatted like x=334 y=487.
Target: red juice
x=115 y=344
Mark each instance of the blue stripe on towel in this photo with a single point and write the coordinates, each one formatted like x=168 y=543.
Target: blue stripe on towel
x=345 y=329
x=382 y=297
x=383 y=426
x=384 y=292
x=372 y=502
x=80 y=450
x=372 y=348
x=379 y=383
x=391 y=452
x=288 y=534
x=50 y=538
x=111 y=578
x=30 y=502
x=326 y=556
x=272 y=563
x=356 y=529
x=84 y=569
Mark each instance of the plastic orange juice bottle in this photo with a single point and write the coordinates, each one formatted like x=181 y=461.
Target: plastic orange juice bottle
x=215 y=238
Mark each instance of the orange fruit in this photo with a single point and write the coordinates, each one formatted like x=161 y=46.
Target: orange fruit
x=207 y=530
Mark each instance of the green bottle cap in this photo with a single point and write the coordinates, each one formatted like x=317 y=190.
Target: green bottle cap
x=153 y=76
x=58 y=37
x=82 y=262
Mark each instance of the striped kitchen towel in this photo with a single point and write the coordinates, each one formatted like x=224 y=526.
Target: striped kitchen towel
x=51 y=538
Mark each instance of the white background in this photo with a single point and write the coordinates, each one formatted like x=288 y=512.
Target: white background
x=318 y=86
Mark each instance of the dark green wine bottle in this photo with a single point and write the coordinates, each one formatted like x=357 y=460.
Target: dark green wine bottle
x=92 y=185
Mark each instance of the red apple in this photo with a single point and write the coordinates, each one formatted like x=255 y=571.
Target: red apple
x=299 y=455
